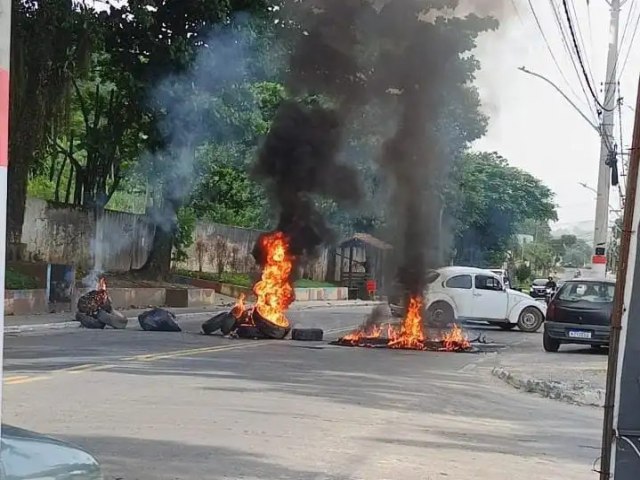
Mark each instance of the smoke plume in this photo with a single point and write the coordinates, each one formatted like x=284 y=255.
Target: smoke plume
x=401 y=57
x=299 y=159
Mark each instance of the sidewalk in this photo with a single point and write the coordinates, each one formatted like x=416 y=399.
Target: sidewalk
x=14 y=324
x=574 y=375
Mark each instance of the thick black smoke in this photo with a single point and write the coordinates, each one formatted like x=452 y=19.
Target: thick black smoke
x=299 y=158
x=401 y=57
x=413 y=156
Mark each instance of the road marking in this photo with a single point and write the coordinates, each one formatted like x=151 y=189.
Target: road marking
x=194 y=351
x=77 y=368
x=150 y=357
x=15 y=377
x=18 y=381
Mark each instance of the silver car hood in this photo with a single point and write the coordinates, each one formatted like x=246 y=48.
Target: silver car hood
x=26 y=455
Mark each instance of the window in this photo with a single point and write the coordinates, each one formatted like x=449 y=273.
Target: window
x=593 y=292
x=485 y=282
x=461 y=281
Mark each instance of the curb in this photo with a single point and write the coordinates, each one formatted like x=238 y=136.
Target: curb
x=575 y=393
x=40 y=327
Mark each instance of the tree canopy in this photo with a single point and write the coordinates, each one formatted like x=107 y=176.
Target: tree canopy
x=161 y=110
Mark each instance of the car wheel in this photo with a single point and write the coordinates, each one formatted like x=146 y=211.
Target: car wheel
x=440 y=314
x=530 y=320
x=507 y=326
x=550 y=344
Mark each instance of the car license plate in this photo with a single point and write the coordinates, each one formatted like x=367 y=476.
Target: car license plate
x=579 y=334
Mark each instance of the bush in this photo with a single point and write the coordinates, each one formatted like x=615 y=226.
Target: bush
x=19 y=281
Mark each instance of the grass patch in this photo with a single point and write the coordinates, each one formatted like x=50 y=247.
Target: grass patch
x=19 y=281
x=244 y=279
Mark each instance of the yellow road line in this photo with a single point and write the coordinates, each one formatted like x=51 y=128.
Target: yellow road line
x=18 y=381
x=195 y=351
x=77 y=368
x=150 y=357
x=14 y=377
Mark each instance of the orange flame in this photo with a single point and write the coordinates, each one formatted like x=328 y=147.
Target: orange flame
x=368 y=332
x=455 y=340
x=239 y=309
x=274 y=291
x=411 y=335
x=102 y=284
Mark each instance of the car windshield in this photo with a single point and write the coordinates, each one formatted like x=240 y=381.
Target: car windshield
x=540 y=282
x=592 y=292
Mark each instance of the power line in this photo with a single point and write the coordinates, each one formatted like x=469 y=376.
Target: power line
x=546 y=41
x=569 y=51
x=624 y=36
x=582 y=44
x=633 y=37
x=577 y=48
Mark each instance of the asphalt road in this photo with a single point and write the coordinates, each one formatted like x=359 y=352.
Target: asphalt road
x=166 y=406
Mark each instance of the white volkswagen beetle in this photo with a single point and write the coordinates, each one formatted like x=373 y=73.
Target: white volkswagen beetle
x=467 y=293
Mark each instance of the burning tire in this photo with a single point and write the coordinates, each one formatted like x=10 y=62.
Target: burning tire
x=440 y=314
x=269 y=329
x=228 y=324
x=213 y=324
x=91 y=302
x=114 y=319
x=249 y=332
x=307 y=334
x=89 y=322
x=530 y=320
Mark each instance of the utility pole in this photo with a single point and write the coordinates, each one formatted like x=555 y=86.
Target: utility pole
x=620 y=457
x=601 y=227
x=5 y=42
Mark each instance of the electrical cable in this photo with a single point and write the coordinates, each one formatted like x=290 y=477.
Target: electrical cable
x=621 y=45
x=633 y=37
x=546 y=41
x=569 y=51
x=582 y=44
x=633 y=445
x=579 y=55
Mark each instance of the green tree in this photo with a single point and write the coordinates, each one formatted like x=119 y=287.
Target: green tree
x=151 y=52
x=493 y=199
x=50 y=45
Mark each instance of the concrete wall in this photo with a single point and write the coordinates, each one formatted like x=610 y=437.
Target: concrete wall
x=66 y=235
x=25 y=302
x=223 y=248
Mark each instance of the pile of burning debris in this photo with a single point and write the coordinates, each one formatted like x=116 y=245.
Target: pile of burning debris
x=274 y=294
x=96 y=312
x=408 y=335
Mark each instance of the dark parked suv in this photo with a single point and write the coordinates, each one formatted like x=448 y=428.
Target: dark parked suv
x=579 y=313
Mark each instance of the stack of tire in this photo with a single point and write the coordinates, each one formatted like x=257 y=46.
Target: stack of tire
x=96 y=312
x=255 y=326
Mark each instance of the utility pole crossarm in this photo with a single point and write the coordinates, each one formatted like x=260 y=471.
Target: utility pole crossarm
x=564 y=95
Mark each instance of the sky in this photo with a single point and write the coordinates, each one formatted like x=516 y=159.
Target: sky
x=530 y=123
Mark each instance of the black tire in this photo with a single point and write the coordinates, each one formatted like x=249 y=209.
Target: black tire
x=269 y=329
x=213 y=324
x=307 y=334
x=439 y=314
x=507 y=326
x=530 y=320
x=89 y=322
x=228 y=324
x=113 y=319
x=249 y=331
x=550 y=344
